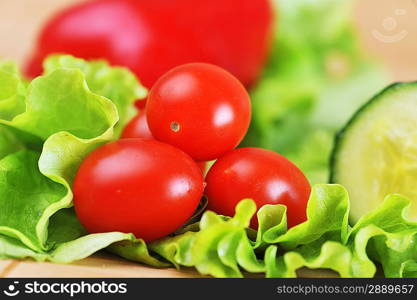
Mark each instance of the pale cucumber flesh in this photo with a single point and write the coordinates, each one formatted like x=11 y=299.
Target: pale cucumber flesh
x=376 y=153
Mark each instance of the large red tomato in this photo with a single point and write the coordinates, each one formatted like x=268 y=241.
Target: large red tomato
x=261 y=175
x=152 y=36
x=136 y=185
x=199 y=108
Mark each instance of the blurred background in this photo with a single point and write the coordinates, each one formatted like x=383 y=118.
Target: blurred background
x=21 y=20
x=327 y=57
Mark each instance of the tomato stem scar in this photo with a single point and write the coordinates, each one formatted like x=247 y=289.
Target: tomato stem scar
x=175 y=126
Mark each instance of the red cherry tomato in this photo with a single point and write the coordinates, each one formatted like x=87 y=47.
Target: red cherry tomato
x=140 y=104
x=262 y=175
x=152 y=36
x=135 y=185
x=199 y=108
x=138 y=128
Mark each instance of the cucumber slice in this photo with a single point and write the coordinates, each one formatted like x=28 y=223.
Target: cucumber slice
x=376 y=153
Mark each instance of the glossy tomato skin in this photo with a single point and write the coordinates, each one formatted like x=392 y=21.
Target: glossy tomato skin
x=140 y=104
x=261 y=175
x=199 y=108
x=152 y=36
x=137 y=127
x=135 y=185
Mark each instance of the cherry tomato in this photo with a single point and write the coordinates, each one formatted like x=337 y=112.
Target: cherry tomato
x=137 y=186
x=199 y=108
x=262 y=175
x=152 y=36
x=138 y=128
x=140 y=104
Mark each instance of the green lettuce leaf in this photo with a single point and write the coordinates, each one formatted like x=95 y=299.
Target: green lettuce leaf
x=220 y=248
x=12 y=91
x=11 y=248
x=80 y=248
x=9 y=142
x=226 y=248
x=330 y=255
x=389 y=237
x=115 y=83
x=329 y=222
x=61 y=101
x=72 y=121
x=26 y=196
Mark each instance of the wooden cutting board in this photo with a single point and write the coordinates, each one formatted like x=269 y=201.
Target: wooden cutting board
x=100 y=265
x=105 y=265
